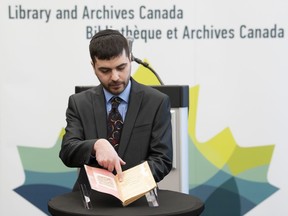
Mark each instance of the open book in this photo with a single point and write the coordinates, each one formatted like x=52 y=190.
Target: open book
x=137 y=181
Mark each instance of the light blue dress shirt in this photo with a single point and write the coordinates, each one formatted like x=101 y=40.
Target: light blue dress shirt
x=123 y=106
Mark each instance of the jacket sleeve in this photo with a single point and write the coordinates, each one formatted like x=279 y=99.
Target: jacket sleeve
x=161 y=152
x=75 y=150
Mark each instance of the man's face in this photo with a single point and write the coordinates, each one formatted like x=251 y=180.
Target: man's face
x=113 y=74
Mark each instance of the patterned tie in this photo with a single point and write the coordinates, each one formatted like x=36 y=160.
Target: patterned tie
x=114 y=123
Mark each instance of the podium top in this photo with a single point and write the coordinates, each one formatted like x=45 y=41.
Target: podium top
x=170 y=203
x=179 y=94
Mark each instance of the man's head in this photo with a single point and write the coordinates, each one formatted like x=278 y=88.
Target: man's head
x=107 y=44
x=110 y=59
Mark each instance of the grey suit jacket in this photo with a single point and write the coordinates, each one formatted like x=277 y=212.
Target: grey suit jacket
x=146 y=133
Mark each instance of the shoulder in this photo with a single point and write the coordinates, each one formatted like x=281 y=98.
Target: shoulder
x=86 y=93
x=82 y=91
x=147 y=90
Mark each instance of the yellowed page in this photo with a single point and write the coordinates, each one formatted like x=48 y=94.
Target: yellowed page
x=136 y=180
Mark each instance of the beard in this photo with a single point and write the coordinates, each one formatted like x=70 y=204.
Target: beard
x=115 y=88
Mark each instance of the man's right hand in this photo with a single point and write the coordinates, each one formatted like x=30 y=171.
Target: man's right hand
x=107 y=157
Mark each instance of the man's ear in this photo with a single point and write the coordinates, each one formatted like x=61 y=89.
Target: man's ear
x=92 y=64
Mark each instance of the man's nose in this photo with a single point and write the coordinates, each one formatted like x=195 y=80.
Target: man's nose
x=115 y=75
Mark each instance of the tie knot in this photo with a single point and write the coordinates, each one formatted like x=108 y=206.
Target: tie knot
x=115 y=101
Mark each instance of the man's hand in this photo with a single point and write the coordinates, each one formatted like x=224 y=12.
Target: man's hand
x=107 y=157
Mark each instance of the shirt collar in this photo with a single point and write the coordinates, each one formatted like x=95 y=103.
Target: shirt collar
x=124 y=95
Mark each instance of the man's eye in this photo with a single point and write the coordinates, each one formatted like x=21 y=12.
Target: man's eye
x=121 y=68
x=105 y=70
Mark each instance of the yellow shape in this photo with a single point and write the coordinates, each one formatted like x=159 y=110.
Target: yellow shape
x=222 y=150
x=145 y=76
x=247 y=158
x=217 y=150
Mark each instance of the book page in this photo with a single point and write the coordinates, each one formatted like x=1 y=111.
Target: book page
x=102 y=180
x=136 y=181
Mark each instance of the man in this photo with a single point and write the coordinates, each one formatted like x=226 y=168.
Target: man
x=146 y=132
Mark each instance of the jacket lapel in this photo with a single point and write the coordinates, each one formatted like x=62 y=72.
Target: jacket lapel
x=100 y=113
x=135 y=101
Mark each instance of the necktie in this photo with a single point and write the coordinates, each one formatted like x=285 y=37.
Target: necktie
x=114 y=123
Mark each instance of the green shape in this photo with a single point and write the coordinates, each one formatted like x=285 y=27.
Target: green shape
x=43 y=159
x=200 y=169
x=257 y=174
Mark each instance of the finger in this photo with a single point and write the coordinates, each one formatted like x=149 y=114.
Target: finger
x=122 y=162
x=104 y=164
x=110 y=167
x=119 y=171
x=100 y=163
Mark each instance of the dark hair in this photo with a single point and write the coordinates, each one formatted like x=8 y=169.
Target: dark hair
x=107 y=44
